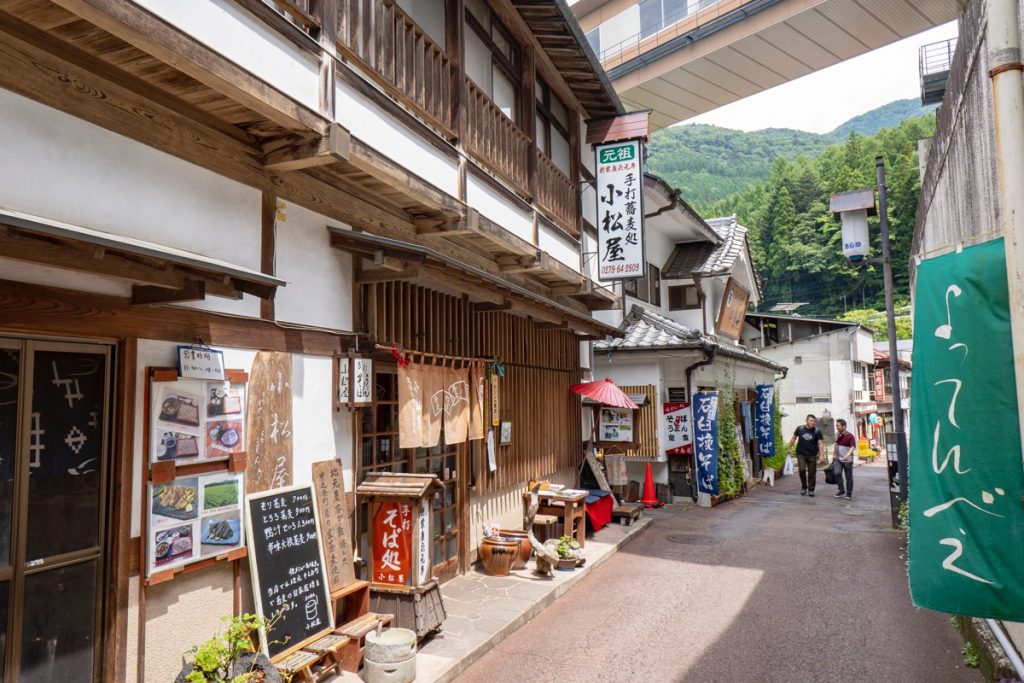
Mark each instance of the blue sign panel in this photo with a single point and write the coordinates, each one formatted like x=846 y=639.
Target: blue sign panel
x=705 y=441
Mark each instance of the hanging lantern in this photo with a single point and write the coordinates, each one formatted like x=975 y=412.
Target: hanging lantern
x=853 y=209
x=856 y=241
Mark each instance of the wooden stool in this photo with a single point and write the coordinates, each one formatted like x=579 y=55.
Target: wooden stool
x=298 y=665
x=627 y=513
x=329 y=648
x=545 y=527
x=355 y=632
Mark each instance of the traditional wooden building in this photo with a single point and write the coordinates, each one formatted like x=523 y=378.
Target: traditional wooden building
x=289 y=182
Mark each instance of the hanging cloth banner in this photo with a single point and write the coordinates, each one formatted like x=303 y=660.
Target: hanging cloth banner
x=705 y=441
x=456 y=405
x=966 y=518
x=764 y=419
x=433 y=405
x=476 y=403
x=410 y=406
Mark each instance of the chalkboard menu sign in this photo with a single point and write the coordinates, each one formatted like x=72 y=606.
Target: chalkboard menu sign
x=287 y=566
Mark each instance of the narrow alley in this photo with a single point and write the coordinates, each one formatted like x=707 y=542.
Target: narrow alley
x=772 y=586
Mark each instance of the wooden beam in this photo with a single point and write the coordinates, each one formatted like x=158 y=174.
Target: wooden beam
x=42 y=68
x=82 y=258
x=387 y=275
x=330 y=148
x=548 y=327
x=143 y=295
x=381 y=259
x=37 y=309
x=386 y=170
x=488 y=307
x=540 y=262
x=136 y=26
x=439 y=227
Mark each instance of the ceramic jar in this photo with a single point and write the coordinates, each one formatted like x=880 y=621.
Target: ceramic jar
x=498 y=554
x=525 y=547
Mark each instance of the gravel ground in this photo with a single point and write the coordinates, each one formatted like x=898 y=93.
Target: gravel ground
x=770 y=587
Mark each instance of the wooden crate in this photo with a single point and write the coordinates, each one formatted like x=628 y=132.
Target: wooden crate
x=420 y=611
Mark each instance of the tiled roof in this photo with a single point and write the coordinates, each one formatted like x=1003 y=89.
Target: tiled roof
x=704 y=257
x=645 y=330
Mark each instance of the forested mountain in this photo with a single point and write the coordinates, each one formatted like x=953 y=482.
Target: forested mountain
x=710 y=163
x=796 y=241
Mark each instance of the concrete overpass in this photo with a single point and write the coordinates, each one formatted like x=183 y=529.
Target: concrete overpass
x=682 y=58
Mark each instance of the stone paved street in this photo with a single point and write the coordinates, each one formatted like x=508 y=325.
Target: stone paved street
x=770 y=587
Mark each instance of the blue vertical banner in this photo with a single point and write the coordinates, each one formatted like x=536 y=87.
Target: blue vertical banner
x=705 y=440
x=764 y=420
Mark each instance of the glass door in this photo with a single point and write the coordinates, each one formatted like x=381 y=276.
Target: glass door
x=54 y=413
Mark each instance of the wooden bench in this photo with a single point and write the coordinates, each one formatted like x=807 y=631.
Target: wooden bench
x=627 y=513
x=355 y=631
x=299 y=666
x=545 y=527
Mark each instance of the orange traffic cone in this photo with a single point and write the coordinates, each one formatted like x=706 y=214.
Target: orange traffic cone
x=650 y=498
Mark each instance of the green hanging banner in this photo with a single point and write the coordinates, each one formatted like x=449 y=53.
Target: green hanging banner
x=966 y=480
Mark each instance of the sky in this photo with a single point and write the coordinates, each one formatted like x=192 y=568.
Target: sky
x=869 y=81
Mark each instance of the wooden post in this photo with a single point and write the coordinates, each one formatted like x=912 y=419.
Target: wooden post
x=268 y=246
x=327 y=13
x=454 y=45
x=575 y=153
x=528 y=106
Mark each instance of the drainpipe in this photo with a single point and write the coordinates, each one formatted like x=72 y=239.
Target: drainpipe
x=673 y=203
x=1004 y=58
x=709 y=358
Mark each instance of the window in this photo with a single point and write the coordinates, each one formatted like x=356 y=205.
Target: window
x=553 y=127
x=683 y=298
x=629 y=287
x=492 y=58
x=654 y=277
x=677 y=395
x=657 y=14
x=594 y=38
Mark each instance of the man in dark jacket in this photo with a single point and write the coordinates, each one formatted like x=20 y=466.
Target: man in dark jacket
x=810 y=450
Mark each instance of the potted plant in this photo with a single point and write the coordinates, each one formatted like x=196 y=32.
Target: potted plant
x=231 y=656
x=568 y=550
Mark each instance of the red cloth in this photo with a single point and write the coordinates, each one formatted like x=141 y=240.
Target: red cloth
x=599 y=513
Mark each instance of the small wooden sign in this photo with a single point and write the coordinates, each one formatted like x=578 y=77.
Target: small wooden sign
x=733 y=312
x=196 y=362
x=336 y=521
x=269 y=422
x=392 y=540
x=362 y=380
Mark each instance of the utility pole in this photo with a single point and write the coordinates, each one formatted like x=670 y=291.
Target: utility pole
x=894 y=359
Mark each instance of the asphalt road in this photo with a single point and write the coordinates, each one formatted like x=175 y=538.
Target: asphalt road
x=770 y=587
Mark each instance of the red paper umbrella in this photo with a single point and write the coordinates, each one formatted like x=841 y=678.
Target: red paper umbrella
x=605 y=392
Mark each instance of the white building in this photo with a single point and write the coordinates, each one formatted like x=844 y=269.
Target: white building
x=830 y=367
x=677 y=331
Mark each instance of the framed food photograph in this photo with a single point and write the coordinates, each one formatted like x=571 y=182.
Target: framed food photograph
x=224 y=399
x=173 y=502
x=194 y=420
x=172 y=546
x=177 y=446
x=220 y=533
x=223 y=437
x=220 y=492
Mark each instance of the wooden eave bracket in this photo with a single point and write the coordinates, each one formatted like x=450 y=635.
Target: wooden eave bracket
x=192 y=290
x=539 y=262
x=387 y=275
x=445 y=225
x=332 y=147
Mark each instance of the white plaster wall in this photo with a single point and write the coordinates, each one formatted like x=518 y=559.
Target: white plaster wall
x=187 y=610
x=319 y=277
x=562 y=249
x=841 y=379
x=368 y=122
x=429 y=14
x=493 y=205
x=624 y=26
x=59 y=167
x=227 y=28
x=863 y=347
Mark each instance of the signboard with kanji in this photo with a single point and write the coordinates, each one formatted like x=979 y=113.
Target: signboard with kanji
x=620 y=212
x=764 y=420
x=678 y=428
x=705 y=441
x=392 y=543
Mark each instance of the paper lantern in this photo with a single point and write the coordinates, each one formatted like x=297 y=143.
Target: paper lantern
x=856 y=240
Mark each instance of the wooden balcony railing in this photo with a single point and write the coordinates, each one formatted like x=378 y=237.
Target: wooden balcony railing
x=401 y=57
x=555 y=193
x=495 y=140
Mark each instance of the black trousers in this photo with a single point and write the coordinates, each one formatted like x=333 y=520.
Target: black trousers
x=808 y=471
x=846 y=469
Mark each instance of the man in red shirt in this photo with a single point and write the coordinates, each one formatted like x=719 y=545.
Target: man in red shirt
x=846 y=446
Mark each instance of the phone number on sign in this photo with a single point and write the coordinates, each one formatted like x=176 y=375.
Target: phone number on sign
x=620 y=268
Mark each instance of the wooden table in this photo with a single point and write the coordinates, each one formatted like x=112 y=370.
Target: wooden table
x=572 y=510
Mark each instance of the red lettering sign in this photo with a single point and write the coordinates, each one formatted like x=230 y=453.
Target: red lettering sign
x=392 y=541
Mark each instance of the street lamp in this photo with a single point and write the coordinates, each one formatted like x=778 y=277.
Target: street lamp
x=853 y=209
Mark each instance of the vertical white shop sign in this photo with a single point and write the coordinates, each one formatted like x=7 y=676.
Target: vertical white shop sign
x=362 y=380
x=423 y=564
x=344 y=380
x=620 y=211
